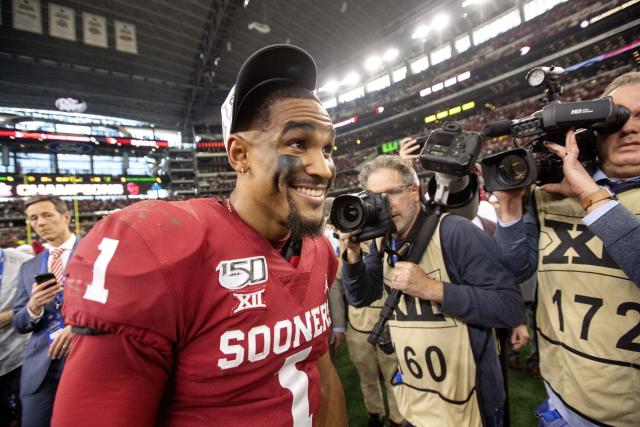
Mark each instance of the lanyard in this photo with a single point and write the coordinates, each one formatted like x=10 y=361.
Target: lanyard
x=394 y=256
x=43 y=264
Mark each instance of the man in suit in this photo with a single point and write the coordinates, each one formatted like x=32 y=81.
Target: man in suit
x=38 y=309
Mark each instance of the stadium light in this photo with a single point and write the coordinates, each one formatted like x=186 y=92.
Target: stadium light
x=390 y=54
x=467 y=3
x=329 y=86
x=373 y=63
x=464 y=76
x=351 y=79
x=420 y=32
x=425 y=92
x=440 y=21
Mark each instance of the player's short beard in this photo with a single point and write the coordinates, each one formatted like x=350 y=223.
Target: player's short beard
x=300 y=226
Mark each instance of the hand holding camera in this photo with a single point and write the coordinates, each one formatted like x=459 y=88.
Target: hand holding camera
x=510 y=204
x=577 y=181
x=535 y=162
x=410 y=148
x=352 y=248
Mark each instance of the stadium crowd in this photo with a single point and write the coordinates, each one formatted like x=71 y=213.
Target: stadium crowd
x=493 y=54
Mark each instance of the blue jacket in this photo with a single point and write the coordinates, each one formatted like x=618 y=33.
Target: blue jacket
x=36 y=359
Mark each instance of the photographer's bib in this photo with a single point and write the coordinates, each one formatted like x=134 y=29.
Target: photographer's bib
x=363 y=319
x=434 y=355
x=588 y=316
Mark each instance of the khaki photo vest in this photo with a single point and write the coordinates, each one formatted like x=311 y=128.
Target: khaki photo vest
x=588 y=315
x=434 y=355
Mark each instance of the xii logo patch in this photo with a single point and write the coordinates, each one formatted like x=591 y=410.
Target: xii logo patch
x=249 y=300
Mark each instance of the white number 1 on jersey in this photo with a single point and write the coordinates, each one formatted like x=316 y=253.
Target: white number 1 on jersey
x=298 y=383
x=96 y=290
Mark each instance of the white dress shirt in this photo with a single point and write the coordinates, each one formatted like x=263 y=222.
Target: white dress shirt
x=64 y=258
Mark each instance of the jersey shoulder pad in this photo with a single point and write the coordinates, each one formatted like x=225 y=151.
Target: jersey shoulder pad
x=130 y=273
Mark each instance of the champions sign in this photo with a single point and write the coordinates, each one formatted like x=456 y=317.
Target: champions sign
x=44 y=185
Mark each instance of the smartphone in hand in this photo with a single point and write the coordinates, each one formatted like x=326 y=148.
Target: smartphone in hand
x=41 y=278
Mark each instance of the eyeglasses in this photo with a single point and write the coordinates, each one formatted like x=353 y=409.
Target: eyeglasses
x=395 y=192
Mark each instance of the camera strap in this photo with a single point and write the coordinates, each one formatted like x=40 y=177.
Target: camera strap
x=425 y=234
x=420 y=241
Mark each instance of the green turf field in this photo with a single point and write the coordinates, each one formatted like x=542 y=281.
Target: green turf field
x=524 y=393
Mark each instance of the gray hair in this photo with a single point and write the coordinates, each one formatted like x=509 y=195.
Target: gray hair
x=630 y=78
x=397 y=163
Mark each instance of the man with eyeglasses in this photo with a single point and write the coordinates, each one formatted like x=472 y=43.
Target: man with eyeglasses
x=449 y=372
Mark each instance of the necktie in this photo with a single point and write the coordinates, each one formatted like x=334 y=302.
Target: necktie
x=618 y=187
x=56 y=263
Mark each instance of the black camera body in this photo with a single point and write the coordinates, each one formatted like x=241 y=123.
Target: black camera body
x=366 y=211
x=450 y=150
x=534 y=163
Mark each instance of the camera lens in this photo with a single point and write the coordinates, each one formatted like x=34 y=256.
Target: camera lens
x=348 y=213
x=513 y=170
x=351 y=213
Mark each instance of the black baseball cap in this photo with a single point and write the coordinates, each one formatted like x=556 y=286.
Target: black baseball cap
x=280 y=64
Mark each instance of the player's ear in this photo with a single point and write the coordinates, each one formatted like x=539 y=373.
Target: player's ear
x=237 y=153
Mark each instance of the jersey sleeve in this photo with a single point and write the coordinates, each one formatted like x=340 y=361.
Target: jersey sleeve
x=129 y=275
x=126 y=378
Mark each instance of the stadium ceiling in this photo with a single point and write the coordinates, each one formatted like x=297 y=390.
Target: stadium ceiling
x=189 y=51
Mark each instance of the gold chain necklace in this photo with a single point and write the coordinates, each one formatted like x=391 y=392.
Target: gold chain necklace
x=228 y=203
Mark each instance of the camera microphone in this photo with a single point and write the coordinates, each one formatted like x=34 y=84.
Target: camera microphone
x=600 y=114
x=495 y=129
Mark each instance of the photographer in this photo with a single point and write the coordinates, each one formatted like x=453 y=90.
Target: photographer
x=585 y=243
x=441 y=326
x=355 y=325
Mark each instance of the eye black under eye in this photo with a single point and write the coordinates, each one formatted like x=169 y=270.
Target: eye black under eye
x=297 y=143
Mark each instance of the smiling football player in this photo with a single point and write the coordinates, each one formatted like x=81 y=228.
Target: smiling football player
x=214 y=312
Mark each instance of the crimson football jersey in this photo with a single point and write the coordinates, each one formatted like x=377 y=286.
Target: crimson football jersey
x=202 y=298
